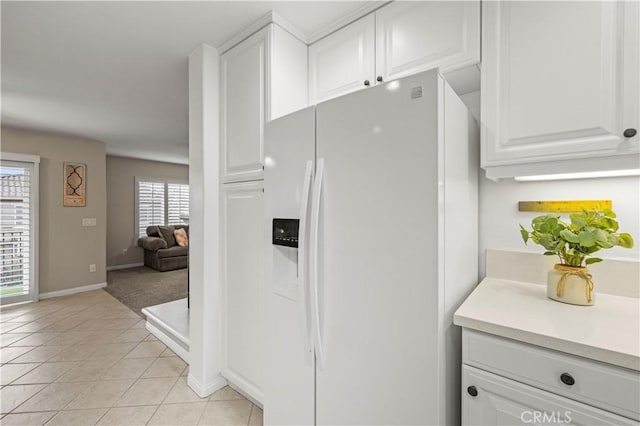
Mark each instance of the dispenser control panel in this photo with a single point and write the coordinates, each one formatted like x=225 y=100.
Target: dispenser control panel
x=285 y=232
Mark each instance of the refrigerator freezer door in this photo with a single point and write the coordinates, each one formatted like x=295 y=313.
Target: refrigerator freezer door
x=378 y=281
x=289 y=376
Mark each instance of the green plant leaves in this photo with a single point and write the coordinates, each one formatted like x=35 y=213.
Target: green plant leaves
x=524 y=233
x=625 y=240
x=569 y=236
x=587 y=233
x=586 y=239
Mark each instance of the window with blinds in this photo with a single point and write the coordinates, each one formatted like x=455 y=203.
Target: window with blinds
x=15 y=229
x=160 y=203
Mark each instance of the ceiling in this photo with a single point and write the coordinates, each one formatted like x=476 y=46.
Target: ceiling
x=117 y=71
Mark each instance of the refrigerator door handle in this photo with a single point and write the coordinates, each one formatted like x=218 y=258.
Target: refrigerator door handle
x=313 y=263
x=303 y=292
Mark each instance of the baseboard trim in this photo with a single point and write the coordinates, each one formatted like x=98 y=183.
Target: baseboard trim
x=74 y=290
x=205 y=390
x=244 y=387
x=127 y=266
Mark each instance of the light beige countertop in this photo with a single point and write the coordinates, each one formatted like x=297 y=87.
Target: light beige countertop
x=608 y=331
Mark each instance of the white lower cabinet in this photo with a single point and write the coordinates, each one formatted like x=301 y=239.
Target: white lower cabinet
x=489 y=399
x=243 y=286
x=506 y=382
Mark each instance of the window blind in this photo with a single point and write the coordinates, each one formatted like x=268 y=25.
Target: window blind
x=151 y=205
x=15 y=229
x=160 y=203
x=178 y=203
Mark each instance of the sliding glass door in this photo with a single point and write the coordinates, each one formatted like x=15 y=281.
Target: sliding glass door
x=18 y=228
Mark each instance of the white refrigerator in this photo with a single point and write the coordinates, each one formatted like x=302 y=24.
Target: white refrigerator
x=371 y=203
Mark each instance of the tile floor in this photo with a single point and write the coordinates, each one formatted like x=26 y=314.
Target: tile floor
x=87 y=359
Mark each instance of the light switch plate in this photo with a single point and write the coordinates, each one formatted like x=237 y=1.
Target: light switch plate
x=89 y=221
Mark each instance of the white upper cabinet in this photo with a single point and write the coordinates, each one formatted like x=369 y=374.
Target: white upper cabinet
x=342 y=62
x=397 y=40
x=418 y=36
x=263 y=77
x=559 y=87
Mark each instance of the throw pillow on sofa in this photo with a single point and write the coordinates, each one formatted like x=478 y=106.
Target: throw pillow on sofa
x=167 y=234
x=181 y=237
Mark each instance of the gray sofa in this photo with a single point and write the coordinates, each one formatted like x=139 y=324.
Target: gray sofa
x=161 y=252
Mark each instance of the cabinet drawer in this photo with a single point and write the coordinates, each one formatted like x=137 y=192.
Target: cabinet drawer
x=500 y=401
x=601 y=385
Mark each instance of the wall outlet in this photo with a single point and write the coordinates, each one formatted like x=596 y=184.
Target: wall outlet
x=89 y=221
x=124 y=252
x=92 y=267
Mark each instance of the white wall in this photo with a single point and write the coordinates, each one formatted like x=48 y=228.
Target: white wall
x=499 y=215
x=66 y=247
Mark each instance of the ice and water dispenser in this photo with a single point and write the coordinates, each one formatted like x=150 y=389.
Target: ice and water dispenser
x=284 y=237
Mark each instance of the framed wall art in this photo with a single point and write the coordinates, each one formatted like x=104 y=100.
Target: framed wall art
x=75 y=185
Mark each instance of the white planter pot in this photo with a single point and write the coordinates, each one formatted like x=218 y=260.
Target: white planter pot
x=570 y=284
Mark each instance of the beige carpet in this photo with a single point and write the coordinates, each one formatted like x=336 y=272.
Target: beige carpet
x=141 y=287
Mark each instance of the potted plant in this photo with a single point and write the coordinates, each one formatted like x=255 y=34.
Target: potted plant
x=575 y=243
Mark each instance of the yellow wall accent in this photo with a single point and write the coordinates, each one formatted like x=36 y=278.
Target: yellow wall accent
x=563 y=206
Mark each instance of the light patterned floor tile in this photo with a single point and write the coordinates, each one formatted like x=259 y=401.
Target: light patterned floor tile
x=128 y=368
x=9 y=353
x=134 y=335
x=36 y=339
x=130 y=416
x=147 y=392
x=11 y=372
x=39 y=354
x=225 y=394
x=27 y=419
x=12 y=396
x=10 y=338
x=105 y=367
x=54 y=397
x=178 y=414
x=69 y=338
x=181 y=392
x=87 y=371
x=147 y=349
x=256 y=418
x=166 y=367
x=31 y=327
x=77 y=417
x=113 y=351
x=6 y=327
x=45 y=373
x=101 y=395
x=226 y=413
x=168 y=352
x=76 y=353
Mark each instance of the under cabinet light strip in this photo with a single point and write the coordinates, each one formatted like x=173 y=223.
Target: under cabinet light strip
x=584 y=175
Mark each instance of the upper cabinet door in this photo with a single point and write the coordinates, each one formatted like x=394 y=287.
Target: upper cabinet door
x=417 y=36
x=243 y=107
x=341 y=62
x=559 y=84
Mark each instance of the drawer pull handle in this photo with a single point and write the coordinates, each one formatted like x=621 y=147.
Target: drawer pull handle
x=629 y=133
x=567 y=379
x=471 y=390
x=366 y=82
